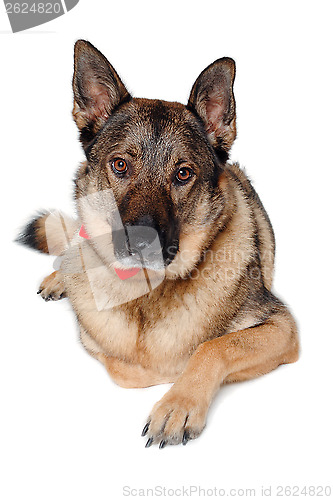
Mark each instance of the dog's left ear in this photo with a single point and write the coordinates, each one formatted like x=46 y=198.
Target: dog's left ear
x=97 y=88
x=212 y=98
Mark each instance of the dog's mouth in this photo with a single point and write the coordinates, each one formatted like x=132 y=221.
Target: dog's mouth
x=135 y=249
x=130 y=265
x=125 y=274
x=138 y=265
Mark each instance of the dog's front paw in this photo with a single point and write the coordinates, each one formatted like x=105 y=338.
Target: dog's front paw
x=175 y=419
x=52 y=287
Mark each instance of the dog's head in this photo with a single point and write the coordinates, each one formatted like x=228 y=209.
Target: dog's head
x=153 y=168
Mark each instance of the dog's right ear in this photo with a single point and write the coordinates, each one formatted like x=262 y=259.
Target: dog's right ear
x=98 y=90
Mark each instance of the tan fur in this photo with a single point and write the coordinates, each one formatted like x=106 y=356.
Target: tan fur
x=195 y=236
x=233 y=357
x=172 y=335
x=54 y=232
x=130 y=375
x=209 y=318
x=52 y=287
x=174 y=341
x=182 y=326
x=265 y=233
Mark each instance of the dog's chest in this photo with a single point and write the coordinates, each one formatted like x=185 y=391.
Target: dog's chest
x=167 y=340
x=162 y=344
x=161 y=336
x=159 y=330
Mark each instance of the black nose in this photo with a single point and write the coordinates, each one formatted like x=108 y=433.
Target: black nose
x=139 y=238
x=144 y=239
x=135 y=238
x=145 y=220
x=141 y=234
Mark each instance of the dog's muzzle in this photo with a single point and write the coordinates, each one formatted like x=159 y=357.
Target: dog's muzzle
x=142 y=245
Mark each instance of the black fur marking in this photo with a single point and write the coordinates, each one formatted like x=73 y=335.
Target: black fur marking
x=221 y=153
x=28 y=235
x=87 y=133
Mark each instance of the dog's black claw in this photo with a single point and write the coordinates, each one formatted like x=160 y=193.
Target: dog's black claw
x=149 y=442
x=163 y=443
x=62 y=296
x=39 y=291
x=145 y=429
x=186 y=437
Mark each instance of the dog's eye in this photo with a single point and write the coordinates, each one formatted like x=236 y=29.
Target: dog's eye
x=183 y=175
x=119 y=166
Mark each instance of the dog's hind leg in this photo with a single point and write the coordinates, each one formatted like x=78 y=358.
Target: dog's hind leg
x=181 y=414
x=128 y=375
x=131 y=376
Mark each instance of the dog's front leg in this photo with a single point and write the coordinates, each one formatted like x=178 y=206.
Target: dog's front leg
x=181 y=414
x=52 y=287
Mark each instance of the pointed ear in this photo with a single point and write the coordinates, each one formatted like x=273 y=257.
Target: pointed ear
x=98 y=90
x=212 y=98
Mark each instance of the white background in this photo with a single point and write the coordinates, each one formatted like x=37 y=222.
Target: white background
x=67 y=431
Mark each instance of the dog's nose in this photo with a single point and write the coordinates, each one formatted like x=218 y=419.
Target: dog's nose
x=140 y=238
x=145 y=220
x=144 y=240
x=136 y=238
x=141 y=234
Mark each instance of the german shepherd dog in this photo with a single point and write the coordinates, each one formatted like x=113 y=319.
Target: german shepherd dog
x=169 y=265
